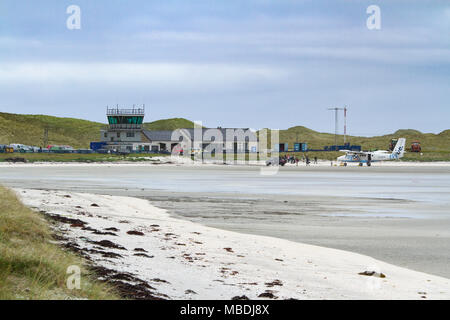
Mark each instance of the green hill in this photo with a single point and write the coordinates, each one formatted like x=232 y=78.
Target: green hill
x=169 y=124
x=29 y=129
x=436 y=147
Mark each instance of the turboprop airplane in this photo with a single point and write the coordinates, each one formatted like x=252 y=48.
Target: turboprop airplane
x=368 y=157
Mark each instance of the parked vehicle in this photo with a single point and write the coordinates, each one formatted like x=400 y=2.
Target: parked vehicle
x=415 y=146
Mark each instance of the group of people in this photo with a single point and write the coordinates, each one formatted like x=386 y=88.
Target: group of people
x=295 y=160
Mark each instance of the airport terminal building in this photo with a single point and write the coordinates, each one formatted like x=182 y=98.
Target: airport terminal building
x=125 y=133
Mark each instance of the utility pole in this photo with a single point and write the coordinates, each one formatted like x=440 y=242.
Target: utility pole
x=45 y=138
x=345 y=124
x=336 y=123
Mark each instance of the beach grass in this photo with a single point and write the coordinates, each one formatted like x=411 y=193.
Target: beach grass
x=32 y=266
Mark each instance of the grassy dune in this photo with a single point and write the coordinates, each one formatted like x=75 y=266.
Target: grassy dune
x=435 y=147
x=169 y=124
x=31 y=267
x=29 y=129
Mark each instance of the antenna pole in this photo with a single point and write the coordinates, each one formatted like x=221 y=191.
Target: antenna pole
x=336 y=123
x=345 y=124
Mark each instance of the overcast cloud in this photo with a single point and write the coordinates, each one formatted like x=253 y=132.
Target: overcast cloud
x=267 y=63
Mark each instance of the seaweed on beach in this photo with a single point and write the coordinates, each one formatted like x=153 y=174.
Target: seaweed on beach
x=127 y=285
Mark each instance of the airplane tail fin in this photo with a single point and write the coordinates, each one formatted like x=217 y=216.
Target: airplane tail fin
x=399 y=149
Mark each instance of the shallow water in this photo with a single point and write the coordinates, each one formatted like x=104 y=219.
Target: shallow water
x=397 y=214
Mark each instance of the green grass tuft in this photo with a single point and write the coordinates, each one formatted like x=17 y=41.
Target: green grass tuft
x=31 y=266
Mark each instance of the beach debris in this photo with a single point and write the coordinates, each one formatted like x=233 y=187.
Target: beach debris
x=135 y=232
x=143 y=255
x=111 y=255
x=154 y=225
x=267 y=294
x=274 y=283
x=77 y=225
x=159 y=280
x=128 y=286
x=372 y=274
x=112 y=229
x=78 y=207
x=67 y=196
x=63 y=219
x=228 y=250
x=124 y=221
x=243 y=297
x=94 y=205
x=140 y=250
x=276 y=259
x=189 y=291
x=108 y=244
x=95 y=231
x=423 y=294
x=102 y=253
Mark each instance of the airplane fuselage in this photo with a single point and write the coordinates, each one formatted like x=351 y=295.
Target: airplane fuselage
x=364 y=158
x=375 y=156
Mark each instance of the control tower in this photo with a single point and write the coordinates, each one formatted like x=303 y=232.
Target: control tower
x=125 y=119
x=124 y=132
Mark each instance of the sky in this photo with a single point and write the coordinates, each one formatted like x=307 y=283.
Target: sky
x=232 y=63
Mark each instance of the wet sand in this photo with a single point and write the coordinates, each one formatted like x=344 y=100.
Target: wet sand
x=395 y=214
x=149 y=254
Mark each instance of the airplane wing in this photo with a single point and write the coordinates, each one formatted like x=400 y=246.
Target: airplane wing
x=349 y=152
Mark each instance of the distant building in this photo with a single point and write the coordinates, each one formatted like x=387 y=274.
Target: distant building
x=126 y=134
x=225 y=140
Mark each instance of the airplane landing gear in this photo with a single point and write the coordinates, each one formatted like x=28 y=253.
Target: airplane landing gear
x=360 y=164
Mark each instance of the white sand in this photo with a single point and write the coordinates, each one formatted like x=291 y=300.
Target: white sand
x=192 y=257
x=187 y=161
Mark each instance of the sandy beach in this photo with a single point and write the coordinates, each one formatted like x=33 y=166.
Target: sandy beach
x=183 y=260
x=398 y=215
x=187 y=161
